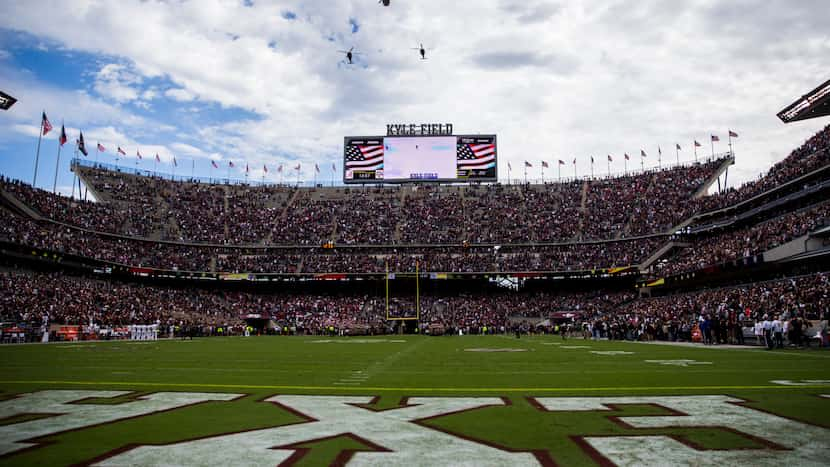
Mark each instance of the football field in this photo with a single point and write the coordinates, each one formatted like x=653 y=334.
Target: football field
x=411 y=400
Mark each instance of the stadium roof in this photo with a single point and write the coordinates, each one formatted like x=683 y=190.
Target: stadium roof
x=813 y=104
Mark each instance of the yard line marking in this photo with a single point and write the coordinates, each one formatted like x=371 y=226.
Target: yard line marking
x=408 y=389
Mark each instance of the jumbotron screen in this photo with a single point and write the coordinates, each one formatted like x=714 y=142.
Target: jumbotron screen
x=399 y=159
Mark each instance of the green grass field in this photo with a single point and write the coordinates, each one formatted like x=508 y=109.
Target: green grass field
x=411 y=400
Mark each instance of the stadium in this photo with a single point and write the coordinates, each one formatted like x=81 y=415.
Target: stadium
x=419 y=308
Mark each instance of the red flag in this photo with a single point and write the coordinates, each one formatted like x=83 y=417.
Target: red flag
x=264 y=168
x=659 y=151
x=213 y=163
x=697 y=145
x=528 y=164
x=642 y=153
x=732 y=134
x=246 y=168
x=626 y=157
x=677 y=145
x=158 y=159
x=610 y=159
x=62 y=139
x=316 y=168
x=138 y=154
x=121 y=151
x=574 y=160
x=230 y=164
x=175 y=164
x=333 y=167
x=45 y=125
x=592 y=159
x=544 y=164
x=509 y=167
x=279 y=169
x=101 y=148
x=715 y=138
x=561 y=162
x=298 y=167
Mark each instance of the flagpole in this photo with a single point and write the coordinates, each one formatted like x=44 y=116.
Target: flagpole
x=730 y=141
x=694 y=145
x=592 y=167
x=75 y=175
x=712 y=142
x=677 y=151
x=192 y=168
x=525 y=173
x=37 y=154
x=559 y=167
x=625 y=165
x=57 y=163
x=543 y=174
x=659 y=158
x=608 y=163
x=574 y=168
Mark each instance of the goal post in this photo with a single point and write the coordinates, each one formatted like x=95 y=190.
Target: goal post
x=403 y=307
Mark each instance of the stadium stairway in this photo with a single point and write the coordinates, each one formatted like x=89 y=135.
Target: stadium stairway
x=724 y=166
x=17 y=205
x=662 y=251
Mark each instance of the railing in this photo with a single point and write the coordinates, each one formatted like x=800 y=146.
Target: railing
x=288 y=181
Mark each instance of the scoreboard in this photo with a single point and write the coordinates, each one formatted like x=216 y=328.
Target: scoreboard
x=402 y=159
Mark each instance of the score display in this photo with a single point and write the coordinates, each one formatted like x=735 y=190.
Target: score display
x=400 y=159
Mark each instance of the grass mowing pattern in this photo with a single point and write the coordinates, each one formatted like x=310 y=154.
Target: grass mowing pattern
x=392 y=369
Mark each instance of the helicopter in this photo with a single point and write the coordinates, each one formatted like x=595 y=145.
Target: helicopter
x=349 y=54
x=422 y=51
x=384 y=2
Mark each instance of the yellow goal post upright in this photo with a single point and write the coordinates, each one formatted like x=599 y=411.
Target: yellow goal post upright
x=396 y=276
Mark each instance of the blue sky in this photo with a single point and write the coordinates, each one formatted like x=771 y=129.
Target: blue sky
x=262 y=82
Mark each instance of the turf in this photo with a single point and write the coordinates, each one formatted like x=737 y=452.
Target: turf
x=398 y=367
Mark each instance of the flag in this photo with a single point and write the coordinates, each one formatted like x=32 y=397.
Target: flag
x=509 y=167
x=175 y=164
x=264 y=168
x=213 y=163
x=333 y=167
x=697 y=145
x=610 y=159
x=230 y=164
x=561 y=162
x=364 y=157
x=247 y=169
x=298 y=167
x=544 y=164
x=677 y=145
x=138 y=154
x=158 y=159
x=715 y=138
x=45 y=125
x=659 y=151
x=62 y=139
x=101 y=148
x=279 y=169
x=316 y=168
x=592 y=159
x=642 y=153
x=528 y=164
x=121 y=151
x=574 y=160
x=81 y=145
x=627 y=157
x=476 y=156
x=732 y=134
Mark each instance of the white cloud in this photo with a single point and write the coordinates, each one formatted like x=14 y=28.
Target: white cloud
x=554 y=80
x=179 y=94
x=115 y=82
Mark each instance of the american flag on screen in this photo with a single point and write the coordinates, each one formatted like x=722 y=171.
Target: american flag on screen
x=364 y=157
x=476 y=156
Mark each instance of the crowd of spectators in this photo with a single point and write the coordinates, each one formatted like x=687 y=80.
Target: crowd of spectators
x=748 y=241
x=161 y=209
x=812 y=155
x=720 y=314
